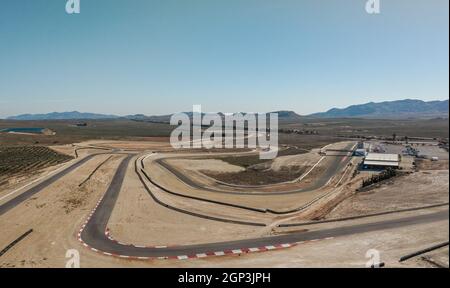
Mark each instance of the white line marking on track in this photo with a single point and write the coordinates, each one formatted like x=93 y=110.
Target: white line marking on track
x=310 y=170
x=343 y=175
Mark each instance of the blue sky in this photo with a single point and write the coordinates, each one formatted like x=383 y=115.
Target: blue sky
x=157 y=57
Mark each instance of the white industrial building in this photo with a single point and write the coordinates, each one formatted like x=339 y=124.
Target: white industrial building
x=381 y=160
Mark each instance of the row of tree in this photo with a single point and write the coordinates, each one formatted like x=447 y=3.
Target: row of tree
x=386 y=174
x=301 y=132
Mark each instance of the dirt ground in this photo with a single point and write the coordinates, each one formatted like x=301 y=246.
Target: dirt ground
x=303 y=160
x=434 y=259
x=16 y=182
x=429 y=151
x=55 y=214
x=392 y=244
x=212 y=165
x=283 y=169
x=426 y=164
x=259 y=177
x=277 y=202
x=67 y=149
x=347 y=251
x=418 y=189
x=150 y=143
x=290 y=184
x=139 y=220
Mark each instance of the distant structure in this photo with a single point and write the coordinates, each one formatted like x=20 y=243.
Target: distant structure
x=360 y=152
x=48 y=132
x=410 y=151
x=23 y=130
x=31 y=131
x=381 y=161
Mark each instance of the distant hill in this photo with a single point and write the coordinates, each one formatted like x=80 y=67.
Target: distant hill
x=401 y=109
x=74 y=115
x=288 y=116
x=144 y=118
x=393 y=110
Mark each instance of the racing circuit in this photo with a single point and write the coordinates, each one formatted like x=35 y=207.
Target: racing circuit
x=264 y=206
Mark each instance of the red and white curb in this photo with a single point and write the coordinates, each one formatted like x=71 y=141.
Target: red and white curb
x=110 y=237
x=183 y=257
x=233 y=252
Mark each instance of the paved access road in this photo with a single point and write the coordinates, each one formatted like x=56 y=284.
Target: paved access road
x=30 y=192
x=50 y=180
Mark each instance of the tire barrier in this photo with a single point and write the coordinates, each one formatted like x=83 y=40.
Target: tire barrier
x=86 y=148
x=418 y=253
x=201 y=199
x=95 y=170
x=124 y=255
x=195 y=185
x=189 y=212
x=303 y=207
x=379 y=265
x=385 y=175
x=12 y=244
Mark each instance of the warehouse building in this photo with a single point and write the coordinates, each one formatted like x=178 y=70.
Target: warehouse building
x=381 y=161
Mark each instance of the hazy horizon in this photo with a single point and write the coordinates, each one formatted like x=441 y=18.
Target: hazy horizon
x=173 y=112
x=160 y=57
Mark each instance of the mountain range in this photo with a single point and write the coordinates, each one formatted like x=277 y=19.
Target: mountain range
x=62 y=116
x=392 y=109
x=401 y=109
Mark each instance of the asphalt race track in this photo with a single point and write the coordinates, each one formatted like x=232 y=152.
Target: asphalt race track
x=337 y=164
x=30 y=192
x=93 y=233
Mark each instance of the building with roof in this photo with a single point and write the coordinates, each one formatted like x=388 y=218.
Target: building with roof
x=381 y=161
